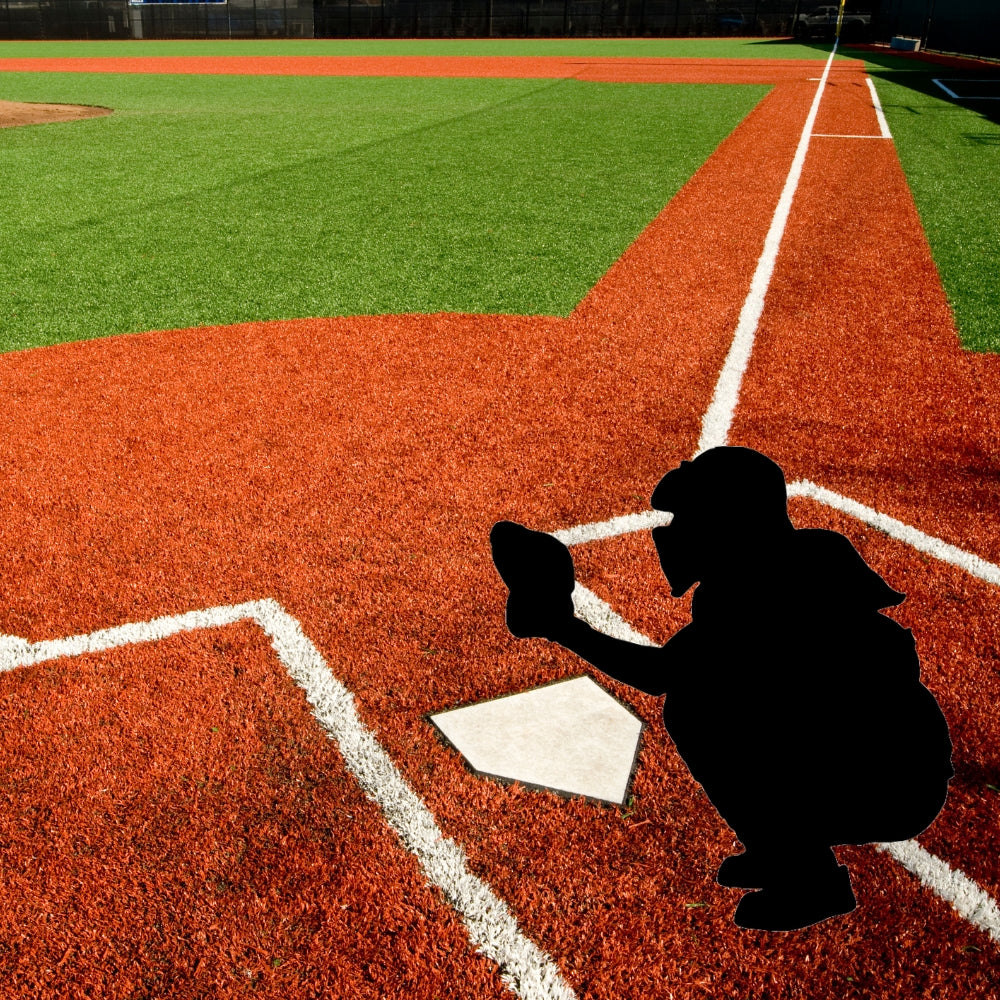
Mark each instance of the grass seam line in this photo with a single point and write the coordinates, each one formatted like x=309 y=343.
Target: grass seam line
x=719 y=415
x=525 y=969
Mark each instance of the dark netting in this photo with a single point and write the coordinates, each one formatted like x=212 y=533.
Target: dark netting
x=54 y=19
x=962 y=27
x=970 y=27
x=69 y=19
x=550 y=18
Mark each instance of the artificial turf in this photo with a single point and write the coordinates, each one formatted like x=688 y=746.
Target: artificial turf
x=948 y=150
x=122 y=269
x=659 y=48
x=221 y=199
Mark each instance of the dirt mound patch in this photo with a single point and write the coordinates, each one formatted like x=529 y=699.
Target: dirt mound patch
x=19 y=113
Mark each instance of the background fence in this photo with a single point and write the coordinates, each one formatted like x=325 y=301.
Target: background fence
x=53 y=19
x=550 y=18
x=971 y=27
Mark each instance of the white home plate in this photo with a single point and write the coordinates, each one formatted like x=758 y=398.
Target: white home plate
x=570 y=737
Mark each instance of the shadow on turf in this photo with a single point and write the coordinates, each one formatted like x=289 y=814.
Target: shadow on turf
x=918 y=75
x=909 y=71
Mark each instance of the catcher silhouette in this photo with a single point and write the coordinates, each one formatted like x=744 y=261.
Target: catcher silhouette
x=795 y=703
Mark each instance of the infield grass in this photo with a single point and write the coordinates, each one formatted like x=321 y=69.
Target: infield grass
x=222 y=199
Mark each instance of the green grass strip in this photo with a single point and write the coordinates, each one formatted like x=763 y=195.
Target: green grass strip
x=220 y=199
x=949 y=150
x=636 y=48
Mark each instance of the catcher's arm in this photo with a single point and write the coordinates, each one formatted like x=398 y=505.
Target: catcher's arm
x=641 y=667
x=538 y=570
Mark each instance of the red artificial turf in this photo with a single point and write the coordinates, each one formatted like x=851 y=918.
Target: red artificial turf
x=351 y=469
x=173 y=827
x=580 y=67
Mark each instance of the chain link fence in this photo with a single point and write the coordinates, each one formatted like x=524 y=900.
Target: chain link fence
x=963 y=27
x=68 y=19
x=550 y=18
x=971 y=27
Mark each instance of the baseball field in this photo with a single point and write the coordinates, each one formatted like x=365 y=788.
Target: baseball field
x=287 y=327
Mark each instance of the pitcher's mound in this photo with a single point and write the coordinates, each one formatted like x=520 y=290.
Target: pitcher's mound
x=18 y=113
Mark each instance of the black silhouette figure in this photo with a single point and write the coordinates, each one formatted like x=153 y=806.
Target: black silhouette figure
x=793 y=701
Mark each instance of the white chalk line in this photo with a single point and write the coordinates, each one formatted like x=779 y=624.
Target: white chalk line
x=968 y=899
x=719 y=415
x=526 y=970
x=951 y=93
x=972 y=97
x=624 y=525
x=937 y=547
x=883 y=125
x=600 y=615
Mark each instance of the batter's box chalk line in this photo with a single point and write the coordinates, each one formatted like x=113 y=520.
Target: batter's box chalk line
x=526 y=970
x=968 y=899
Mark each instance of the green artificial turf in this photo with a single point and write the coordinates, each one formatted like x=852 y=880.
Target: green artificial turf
x=949 y=151
x=220 y=199
x=636 y=48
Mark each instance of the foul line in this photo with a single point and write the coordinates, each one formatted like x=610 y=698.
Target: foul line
x=971 y=902
x=719 y=415
x=968 y=561
x=526 y=970
x=883 y=125
x=968 y=899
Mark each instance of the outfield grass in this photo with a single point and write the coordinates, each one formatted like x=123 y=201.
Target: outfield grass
x=949 y=152
x=220 y=199
x=674 y=48
x=209 y=200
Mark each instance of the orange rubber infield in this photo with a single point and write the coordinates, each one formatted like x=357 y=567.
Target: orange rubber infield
x=176 y=824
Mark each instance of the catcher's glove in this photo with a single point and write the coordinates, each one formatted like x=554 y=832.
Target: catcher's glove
x=538 y=571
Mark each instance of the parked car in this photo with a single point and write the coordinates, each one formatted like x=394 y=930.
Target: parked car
x=821 y=22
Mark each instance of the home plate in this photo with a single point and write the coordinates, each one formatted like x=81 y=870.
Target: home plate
x=570 y=737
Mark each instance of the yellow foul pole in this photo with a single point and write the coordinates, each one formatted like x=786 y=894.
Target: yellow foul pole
x=840 y=18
